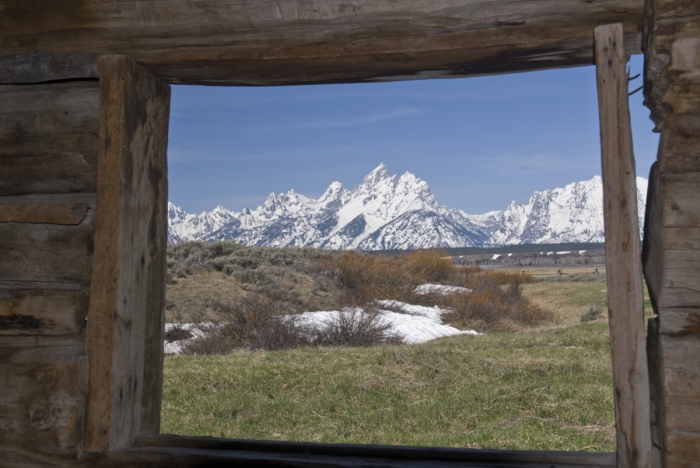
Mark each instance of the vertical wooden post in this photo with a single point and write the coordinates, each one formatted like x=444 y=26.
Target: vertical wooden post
x=127 y=299
x=622 y=254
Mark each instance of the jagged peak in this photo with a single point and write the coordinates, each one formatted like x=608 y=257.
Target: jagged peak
x=379 y=173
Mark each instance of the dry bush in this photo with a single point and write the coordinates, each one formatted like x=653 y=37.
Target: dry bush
x=366 y=278
x=428 y=266
x=255 y=322
x=492 y=307
x=357 y=328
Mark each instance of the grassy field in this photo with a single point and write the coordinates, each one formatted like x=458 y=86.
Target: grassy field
x=549 y=388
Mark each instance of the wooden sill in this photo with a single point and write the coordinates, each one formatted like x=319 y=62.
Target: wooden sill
x=182 y=451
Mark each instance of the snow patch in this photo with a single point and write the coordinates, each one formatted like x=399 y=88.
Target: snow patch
x=440 y=289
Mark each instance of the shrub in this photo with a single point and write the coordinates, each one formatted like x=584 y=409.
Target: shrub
x=492 y=307
x=254 y=322
x=356 y=327
x=429 y=266
x=595 y=311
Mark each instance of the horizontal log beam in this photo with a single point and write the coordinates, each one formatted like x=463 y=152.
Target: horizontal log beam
x=42 y=400
x=50 y=209
x=306 y=41
x=29 y=311
x=48 y=138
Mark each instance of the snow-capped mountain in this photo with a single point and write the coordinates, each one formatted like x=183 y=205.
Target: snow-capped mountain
x=390 y=212
x=570 y=214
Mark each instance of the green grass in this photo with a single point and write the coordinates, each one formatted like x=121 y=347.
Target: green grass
x=540 y=390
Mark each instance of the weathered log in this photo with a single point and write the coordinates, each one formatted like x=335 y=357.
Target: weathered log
x=29 y=311
x=622 y=254
x=683 y=446
x=127 y=299
x=681 y=199
x=48 y=138
x=48 y=209
x=308 y=41
x=679 y=321
x=47 y=252
x=42 y=399
x=671 y=80
x=678 y=149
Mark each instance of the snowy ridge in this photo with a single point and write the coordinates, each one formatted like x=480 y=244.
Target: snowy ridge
x=387 y=212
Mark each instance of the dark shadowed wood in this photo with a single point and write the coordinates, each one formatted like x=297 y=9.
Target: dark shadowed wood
x=28 y=311
x=622 y=254
x=653 y=248
x=48 y=138
x=308 y=41
x=41 y=410
x=47 y=252
x=49 y=209
x=388 y=452
x=127 y=299
x=657 y=394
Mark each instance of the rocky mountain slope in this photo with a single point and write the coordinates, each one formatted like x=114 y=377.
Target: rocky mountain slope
x=390 y=212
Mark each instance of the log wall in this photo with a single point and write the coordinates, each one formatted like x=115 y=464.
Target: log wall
x=48 y=157
x=672 y=234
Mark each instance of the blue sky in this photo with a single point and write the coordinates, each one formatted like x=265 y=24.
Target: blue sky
x=479 y=142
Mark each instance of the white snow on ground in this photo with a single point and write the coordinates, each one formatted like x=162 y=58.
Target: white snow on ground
x=417 y=324
x=176 y=346
x=495 y=256
x=564 y=252
x=439 y=288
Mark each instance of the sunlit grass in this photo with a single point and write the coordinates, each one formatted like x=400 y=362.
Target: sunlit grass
x=547 y=390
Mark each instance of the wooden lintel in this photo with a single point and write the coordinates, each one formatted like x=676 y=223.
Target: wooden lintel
x=622 y=254
x=280 y=42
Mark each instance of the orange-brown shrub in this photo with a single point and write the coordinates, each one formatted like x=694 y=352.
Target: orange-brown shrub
x=492 y=306
x=429 y=266
x=372 y=277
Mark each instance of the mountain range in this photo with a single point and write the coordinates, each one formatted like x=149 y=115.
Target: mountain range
x=386 y=212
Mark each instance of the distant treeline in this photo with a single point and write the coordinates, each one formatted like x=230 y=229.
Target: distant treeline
x=523 y=255
x=520 y=248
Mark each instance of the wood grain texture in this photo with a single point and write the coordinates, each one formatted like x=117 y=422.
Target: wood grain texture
x=49 y=209
x=681 y=199
x=127 y=300
x=41 y=410
x=683 y=446
x=679 y=321
x=29 y=311
x=678 y=147
x=622 y=254
x=48 y=138
x=274 y=42
x=672 y=65
x=47 y=252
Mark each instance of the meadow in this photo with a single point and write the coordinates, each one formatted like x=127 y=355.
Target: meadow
x=542 y=384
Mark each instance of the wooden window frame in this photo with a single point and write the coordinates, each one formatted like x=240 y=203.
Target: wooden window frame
x=125 y=318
